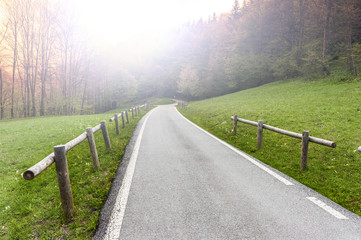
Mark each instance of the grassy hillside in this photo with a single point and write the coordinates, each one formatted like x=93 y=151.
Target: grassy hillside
x=32 y=209
x=160 y=101
x=328 y=109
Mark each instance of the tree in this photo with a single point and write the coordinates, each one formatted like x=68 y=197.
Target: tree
x=236 y=10
x=351 y=20
x=188 y=84
x=1 y=97
x=1 y=78
x=13 y=17
x=47 y=38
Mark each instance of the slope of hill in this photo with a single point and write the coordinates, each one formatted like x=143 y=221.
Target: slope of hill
x=328 y=109
x=32 y=209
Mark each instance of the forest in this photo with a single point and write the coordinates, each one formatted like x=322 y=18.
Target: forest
x=49 y=66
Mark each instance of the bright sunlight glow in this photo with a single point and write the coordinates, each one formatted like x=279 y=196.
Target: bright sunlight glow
x=115 y=21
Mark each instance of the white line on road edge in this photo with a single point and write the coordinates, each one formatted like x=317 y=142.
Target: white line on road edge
x=117 y=215
x=327 y=208
x=266 y=169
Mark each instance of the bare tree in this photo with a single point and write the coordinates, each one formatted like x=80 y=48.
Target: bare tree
x=13 y=17
x=1 y=97
x=47 y=19
x=1 y=79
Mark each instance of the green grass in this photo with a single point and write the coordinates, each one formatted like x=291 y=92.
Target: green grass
x=160 y=101
x=329 y=109
x=32 y=209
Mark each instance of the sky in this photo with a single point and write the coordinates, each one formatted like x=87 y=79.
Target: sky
x=114 y=21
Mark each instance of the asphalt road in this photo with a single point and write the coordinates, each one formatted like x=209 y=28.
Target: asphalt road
x=179 y=182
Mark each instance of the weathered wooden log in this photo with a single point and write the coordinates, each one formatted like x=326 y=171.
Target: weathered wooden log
x=96 y=128
x=322 y=142
x=35 y=170
x=116 y=124
x=93 y=149
x=304 y=149
x=139 y=110
x=105 y=134
x=235 y=125
x=132 y=113
x=136 y=111
x=64 y=181
x=299 y=136
x=123 y=121
x=113 y=118
x=248 y=122
x=289 y=133
x=126 y=115
x=259 y=133
x=75 y=141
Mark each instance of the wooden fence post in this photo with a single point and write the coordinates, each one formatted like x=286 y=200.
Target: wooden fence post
x=93 y=149
x=64 y=181
x=126 y=115
x=138 y=110
x=116 y=123
x=235 y=124
x=105 y=134
x=132 y=113
x=123 y=121
x=304 y=149
x=135 y=110
x=259 y=133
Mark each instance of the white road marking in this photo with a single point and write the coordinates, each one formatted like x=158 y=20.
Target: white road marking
x=117 y=215
x=266 y=169
x=327 y=208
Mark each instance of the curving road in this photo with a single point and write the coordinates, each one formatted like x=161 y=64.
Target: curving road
x=179 y=182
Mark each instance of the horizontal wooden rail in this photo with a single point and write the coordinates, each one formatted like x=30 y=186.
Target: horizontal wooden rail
x=39 y=167
x=182 y=104
x=130 y=110
x=306 y=138
x=289 y=133
x=59 y=157
x=35 y=170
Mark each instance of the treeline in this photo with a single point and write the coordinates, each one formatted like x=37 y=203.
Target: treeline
x=262 y=41
x=49 y=65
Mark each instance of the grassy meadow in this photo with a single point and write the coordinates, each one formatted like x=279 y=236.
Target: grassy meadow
x=32 y=209
x=160 y=101
x=328 y=108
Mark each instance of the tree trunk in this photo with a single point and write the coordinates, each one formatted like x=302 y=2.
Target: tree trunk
x=83 y=100
x=326 y=30
x=14 y=67
x=301 y=23
x=1 y=97
x=326 y=33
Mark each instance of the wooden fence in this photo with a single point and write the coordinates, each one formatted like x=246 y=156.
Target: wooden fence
x=182 y=104
x=59 y=157
x=305 y=136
